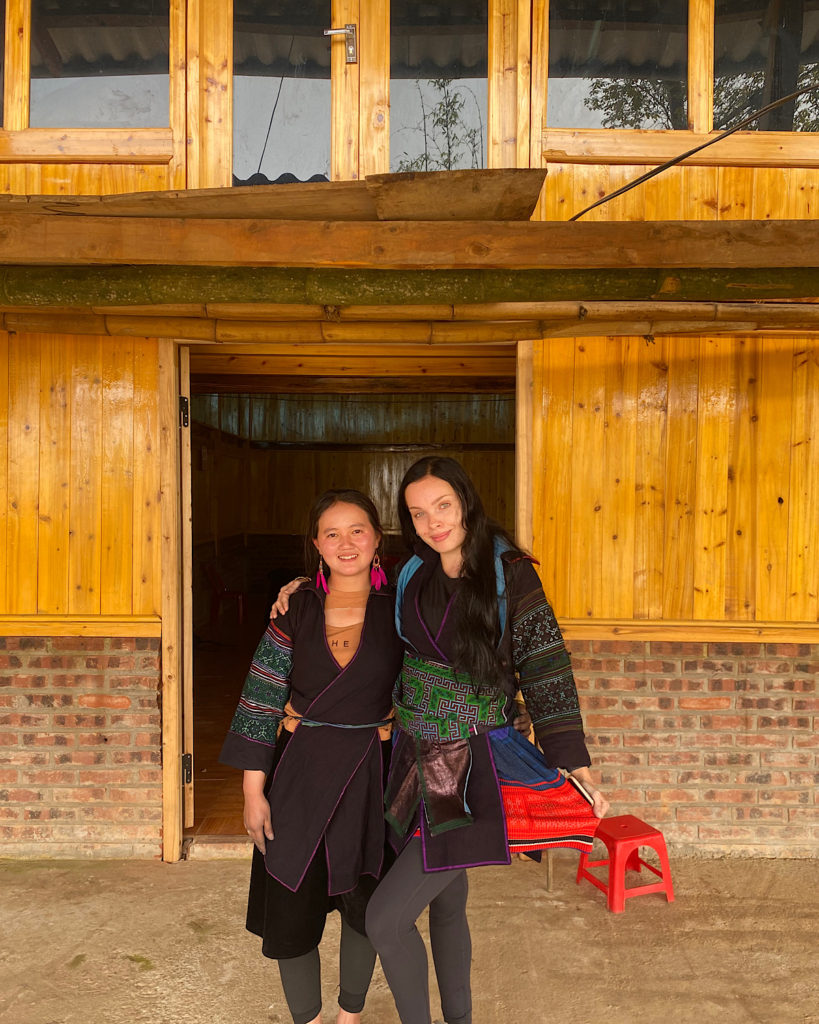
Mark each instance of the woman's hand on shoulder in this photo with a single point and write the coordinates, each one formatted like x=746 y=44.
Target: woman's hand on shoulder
x=282 y=602
x=522 y=722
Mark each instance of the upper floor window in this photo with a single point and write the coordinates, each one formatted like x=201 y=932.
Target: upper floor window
x=281 y=91
x=100 y=63
x=438 y=85
x=618 y=64
x=764 y=52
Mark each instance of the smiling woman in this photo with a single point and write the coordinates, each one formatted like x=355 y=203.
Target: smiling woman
x=306 y=734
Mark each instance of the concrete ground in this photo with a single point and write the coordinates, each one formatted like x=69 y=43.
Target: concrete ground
x=138 y=941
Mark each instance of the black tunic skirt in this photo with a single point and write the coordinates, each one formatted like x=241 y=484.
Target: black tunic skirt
x=291 y=924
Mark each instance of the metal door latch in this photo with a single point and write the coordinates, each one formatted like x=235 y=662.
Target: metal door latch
x=350 y=41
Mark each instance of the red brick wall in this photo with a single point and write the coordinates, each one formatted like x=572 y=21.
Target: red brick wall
x=714 y=743
x=80 y=747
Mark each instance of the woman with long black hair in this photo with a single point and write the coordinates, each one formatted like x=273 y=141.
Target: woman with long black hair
x=464 y=789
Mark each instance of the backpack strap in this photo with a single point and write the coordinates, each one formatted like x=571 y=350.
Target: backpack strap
x=406 y=574
x=414 y=564
x=500 y=545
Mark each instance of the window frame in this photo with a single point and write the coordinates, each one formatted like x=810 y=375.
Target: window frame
x=644 y=146
x=20 y=143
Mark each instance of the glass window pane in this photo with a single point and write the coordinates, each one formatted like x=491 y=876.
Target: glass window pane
x=618 y=64
x=99 y=63
x=281 y=100
x=763 y=52
x=438 y=85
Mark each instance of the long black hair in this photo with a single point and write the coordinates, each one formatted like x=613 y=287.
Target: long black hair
x=478 y=626
x=320 y=506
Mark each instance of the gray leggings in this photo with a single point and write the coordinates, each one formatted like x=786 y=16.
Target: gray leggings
x=301 y=977
x=394 y=908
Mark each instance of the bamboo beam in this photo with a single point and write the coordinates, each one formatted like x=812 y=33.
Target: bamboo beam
x=36 y=239
x=282 y=337
x=777 y=314
x=82 y=288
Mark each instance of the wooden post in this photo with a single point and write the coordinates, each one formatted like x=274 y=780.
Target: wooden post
x=523 y=444
x=701 y=66
x=170 y=602
x=344 y=153
x=187 y=581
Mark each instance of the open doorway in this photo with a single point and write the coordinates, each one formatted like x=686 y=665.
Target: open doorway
x=257 y=461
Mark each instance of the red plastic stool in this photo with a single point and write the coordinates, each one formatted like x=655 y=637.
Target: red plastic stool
x=623 y=836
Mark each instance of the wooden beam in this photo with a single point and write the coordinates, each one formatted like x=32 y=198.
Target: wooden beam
x=80 y=625
x=493 y=195
x=97 y=287
x=388 y=446
x=642 y=146
x=33 y=239
x=87 y=146
x=696 y=630
x=205 y=384
x=214 y=361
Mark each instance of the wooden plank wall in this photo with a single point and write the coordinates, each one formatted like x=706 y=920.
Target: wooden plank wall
x=79 y=480
x=676 y=480
x=270 y=491
x=681 y=193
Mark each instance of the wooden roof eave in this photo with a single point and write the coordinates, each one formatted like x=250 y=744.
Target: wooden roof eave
x=197 y=265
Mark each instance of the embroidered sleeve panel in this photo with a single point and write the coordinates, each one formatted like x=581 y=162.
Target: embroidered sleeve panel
x=265 y=693
x=545 y=674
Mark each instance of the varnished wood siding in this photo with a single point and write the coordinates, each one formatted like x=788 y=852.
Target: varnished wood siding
x=239 y=489
x=79 y=476
x=681 y=193
x=678 y=480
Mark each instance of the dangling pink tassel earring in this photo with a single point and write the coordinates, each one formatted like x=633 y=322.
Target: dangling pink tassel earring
x=321 y=582
x=378 y=577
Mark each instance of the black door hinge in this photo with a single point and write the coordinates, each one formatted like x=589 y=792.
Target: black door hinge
x=187 y=769
x=184 y=411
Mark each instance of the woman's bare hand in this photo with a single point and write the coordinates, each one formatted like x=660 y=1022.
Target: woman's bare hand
x=257 y=810
x=600 y=805
x=282 y=602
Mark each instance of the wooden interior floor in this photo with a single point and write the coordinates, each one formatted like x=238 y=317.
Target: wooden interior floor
x=220 y=662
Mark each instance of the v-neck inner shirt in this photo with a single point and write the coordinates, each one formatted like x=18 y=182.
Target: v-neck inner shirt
x=343 y=621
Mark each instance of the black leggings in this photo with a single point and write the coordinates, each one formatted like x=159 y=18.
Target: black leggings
x=301 y=977
x=394 y=908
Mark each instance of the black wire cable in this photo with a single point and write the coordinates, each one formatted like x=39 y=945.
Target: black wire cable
x=275 y=105
x=684 y=156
